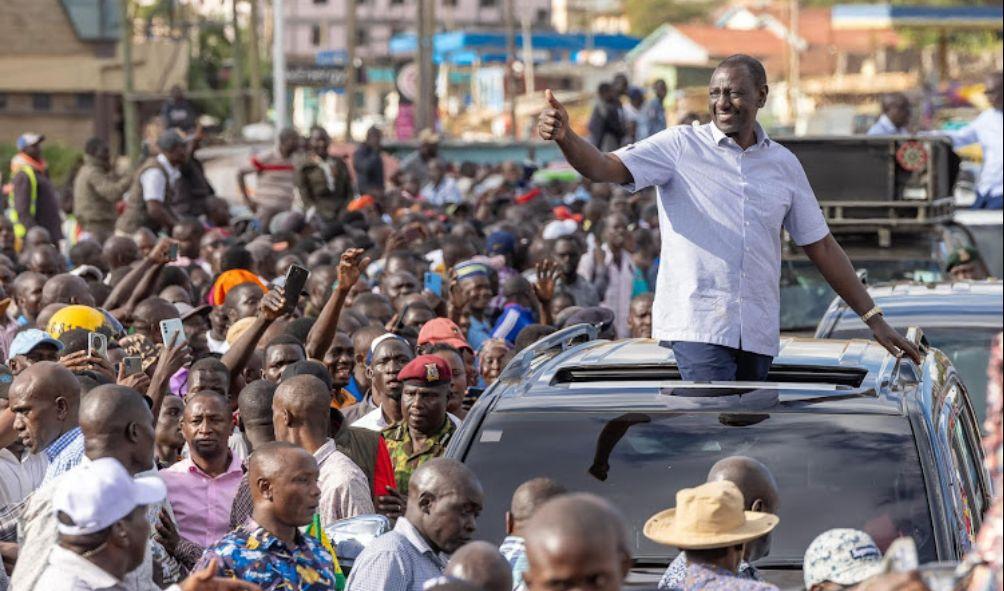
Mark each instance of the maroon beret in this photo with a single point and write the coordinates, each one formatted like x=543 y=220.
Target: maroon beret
x=431 y=370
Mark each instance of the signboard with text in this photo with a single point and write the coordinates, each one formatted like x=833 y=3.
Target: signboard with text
x=316 y=76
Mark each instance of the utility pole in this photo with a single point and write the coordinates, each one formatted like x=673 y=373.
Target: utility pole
x=129 y=124
x=279 y=66
x=237 y=88
x=793 y=62
x=350 y=66
x=528 y=72
x=254 y=64
x=424 y=111
x=510 y=60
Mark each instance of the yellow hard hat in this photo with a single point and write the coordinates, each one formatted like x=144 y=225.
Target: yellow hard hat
x=70 y=317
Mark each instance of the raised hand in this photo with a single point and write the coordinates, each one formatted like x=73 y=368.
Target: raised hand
x=206 y=580
x=160 y=253
x=351 y=267
x=273 y=305
x=547 y=274
x=553 y=121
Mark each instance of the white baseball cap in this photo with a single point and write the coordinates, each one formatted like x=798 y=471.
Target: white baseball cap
x=842 y=556
x=95 y=495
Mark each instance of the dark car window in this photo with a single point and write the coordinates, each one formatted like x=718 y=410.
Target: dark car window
x=805 y=295
x=858 y=471
x=968 y=347
x=966 y=482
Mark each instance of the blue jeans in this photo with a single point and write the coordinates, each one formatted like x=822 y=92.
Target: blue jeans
x=986 y=201
x=705 y=362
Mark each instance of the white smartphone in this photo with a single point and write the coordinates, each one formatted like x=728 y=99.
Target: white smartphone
x=171 y=327
x=97 y=345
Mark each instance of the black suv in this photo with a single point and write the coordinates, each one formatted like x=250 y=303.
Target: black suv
x=855 y=438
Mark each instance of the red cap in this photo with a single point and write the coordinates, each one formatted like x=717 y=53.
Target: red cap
x=442 y=330
x=431 y=370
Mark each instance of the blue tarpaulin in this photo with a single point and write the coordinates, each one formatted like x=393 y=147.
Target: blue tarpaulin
x=884 y=16
x=461 y=48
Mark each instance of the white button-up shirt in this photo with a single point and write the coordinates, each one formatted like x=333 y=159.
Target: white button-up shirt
x=721 y=210
x=988 y=131
x=885 y=126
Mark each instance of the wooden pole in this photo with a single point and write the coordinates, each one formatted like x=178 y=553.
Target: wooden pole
x=254 y=64
x=130 y=123
x=350 y=66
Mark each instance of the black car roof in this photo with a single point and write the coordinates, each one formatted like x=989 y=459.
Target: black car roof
x=845 y=376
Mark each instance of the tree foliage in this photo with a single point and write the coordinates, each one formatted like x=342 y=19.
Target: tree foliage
x=645 y=16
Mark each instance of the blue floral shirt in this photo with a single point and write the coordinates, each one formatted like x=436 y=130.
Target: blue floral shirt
x=705 y=577
x=252 y=554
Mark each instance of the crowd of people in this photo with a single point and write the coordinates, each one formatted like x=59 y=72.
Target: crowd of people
x=180 y=409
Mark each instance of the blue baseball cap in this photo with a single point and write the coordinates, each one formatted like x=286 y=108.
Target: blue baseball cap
x=28 y=139
x=25 y=341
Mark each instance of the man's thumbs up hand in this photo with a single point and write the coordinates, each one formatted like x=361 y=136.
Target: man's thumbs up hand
x=553 y=121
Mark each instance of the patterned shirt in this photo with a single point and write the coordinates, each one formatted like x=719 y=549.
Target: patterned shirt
x=253 y=554
x=345 y=492
x=400 y=560
x=64 y=453
x=405 y=458
x=677 y=572
x=513 y=549
x=706 y=577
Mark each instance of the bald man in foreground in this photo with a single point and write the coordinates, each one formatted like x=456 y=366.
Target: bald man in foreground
x=759 y=490
x=480 y=564
x=444 y=501
x=576 y=541
x=271 y=551
x=300 y=416
x=116 y=423
x=45 y=400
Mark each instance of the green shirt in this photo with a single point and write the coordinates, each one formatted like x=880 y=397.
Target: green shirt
x=403 y=455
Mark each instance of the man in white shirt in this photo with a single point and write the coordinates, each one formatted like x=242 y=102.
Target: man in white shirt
x=442 y=188
x=987 y=130
x=725 y=190
x=148 y=202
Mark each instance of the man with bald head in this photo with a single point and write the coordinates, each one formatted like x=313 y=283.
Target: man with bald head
x=28 y=287
x=527 y=498
x=270 y=550
x=444 y=502
x=67 y=289
x=119 y=251
x=46 y=260
x=480 y=564
x=149 y=313
x=300 y=416
x=116 y=422
x=576 y=541
x=45 y=400
x=895 y=118
x=759 y=490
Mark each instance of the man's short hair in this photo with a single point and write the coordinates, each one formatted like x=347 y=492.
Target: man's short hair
x=209 y=364
x=308 y=367
x=752 y=65
x=285 y=339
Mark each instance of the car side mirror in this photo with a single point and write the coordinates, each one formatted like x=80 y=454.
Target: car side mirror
x=350 y=536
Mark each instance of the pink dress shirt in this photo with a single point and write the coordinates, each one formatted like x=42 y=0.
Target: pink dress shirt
x=201 y=503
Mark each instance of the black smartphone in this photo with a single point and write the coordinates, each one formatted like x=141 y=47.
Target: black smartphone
x=296 y=279
x=172 y=252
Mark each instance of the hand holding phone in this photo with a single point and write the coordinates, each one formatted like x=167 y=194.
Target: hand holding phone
x=132 y=365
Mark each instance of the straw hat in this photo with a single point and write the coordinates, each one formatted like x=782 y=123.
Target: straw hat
x=708 y=516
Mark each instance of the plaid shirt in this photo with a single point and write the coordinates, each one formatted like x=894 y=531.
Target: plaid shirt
x=64 y=453
x=253 y=554
x=403 y=455
x=400 y=560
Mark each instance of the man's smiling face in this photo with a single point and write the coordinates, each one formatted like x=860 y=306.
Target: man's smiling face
x=734 y=98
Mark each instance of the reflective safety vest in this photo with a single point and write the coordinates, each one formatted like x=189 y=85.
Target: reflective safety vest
x=19 y=229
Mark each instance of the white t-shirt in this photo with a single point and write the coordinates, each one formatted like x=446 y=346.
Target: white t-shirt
x=153 y=182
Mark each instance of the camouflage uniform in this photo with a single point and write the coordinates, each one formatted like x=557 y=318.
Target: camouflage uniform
x=405 y=458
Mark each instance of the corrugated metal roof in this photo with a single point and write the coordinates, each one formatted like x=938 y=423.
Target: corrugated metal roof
x=94 y=20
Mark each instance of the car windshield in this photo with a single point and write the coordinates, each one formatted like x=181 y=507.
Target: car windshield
x=825 y=466
x=805 y=295
x=968 y=348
